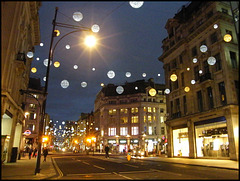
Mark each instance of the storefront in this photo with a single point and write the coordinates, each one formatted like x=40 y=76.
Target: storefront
x=212 y=138
x=180 y=142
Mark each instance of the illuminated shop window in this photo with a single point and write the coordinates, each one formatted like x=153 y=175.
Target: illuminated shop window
x=180 y=142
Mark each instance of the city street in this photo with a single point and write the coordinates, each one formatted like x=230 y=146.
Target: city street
x=73 y=166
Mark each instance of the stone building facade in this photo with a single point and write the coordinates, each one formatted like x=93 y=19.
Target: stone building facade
x=203 y=103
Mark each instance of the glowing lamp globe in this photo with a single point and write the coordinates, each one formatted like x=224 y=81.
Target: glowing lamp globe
x=186 y=89
x=95 y=28
x=211 y=60
x=128 y=74
x=45 y=62
x=195 y=60
x=64 y=84
x=227 y=38
x=144 y=74
x=84 y=84
x=215 y=26
x=30 y=54
x=90 y=41
x=44 y=79
x=77 y=16
x=68 y=47
x=136 y=88
x=56 y=64
x=203 y=48
x=102 y=84
x=41 y=44
x=119 y=89
x=152 y=92
x=193 y=81
x=33 y=70
x=93 y=69
x=173 y=77
x=136 y=4
x=75 y=67
x=111 y=74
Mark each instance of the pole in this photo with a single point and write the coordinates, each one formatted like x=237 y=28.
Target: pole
x=40 y=133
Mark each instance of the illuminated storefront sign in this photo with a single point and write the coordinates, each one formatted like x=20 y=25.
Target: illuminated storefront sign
x=27 y=132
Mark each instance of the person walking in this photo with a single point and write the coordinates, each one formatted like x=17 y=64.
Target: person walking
x=45 y=153
x=30 y=153
x=35 y=152
x=106 y=151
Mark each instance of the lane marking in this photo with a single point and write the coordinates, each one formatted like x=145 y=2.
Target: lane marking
x=161 y=171
x=99 y=167
x=132 y=165
x=86 y=163
x=57 y=168
x=122 y=176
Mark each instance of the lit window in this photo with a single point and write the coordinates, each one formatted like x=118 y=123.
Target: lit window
x=123 y=131
x=112 y=111
x=123 y=120
x=144 y=108
x=162 y=120
x=135 y=130
x=144 y=118
x=123 y=111
x=134 y=119
x=149 y=109
x=134 y=110
x=154 y=109
x=150 y=118
x=111 y=131
x=150 y=130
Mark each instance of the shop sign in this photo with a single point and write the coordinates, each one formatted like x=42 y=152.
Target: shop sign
x=134 y=141
x=122 y=141
x=27 y=132
x=111 y=141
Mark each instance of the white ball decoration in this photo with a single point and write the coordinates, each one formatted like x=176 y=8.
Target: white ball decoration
x=67 y=47
x=136 y=4
x=128 y=74
x=193 y=81
x=203 y=48
x=84 y=84
x=75 y=67
x=215 y=26
x=93 y=69
x=111 y=74
x=77 y=16
x=64 y=84
x=119 y=89
x=211 y=60
x=45 y=62
x=167 y=91
x=144 y=74
x=30 y=54
x=44 y=79
x=195 y=60
x=136 y=88
x=95 y=28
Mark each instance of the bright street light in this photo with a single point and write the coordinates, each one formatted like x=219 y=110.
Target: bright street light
x=90 y=41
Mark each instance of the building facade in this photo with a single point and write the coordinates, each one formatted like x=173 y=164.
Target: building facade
x=19 y=34
x=129 y=117
x=201 y=74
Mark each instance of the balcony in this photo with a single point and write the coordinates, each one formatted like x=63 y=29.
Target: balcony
x=176 y=115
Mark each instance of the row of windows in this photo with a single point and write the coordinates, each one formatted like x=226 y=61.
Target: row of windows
x=134 y=131
x=135 y=119
x=134 y=110
x=136 y=100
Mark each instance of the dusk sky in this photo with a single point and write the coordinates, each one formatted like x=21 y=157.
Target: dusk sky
x=129 y=40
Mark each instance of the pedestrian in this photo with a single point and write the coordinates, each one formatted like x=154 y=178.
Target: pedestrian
x=30 y=153
x=106 y=151
x=35 y=152
x=45 y=153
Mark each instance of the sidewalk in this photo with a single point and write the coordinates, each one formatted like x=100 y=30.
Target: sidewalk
x=24 y=169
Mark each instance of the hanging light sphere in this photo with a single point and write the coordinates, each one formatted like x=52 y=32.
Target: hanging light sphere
x=30 y=54
x=159 y=75
x=93 y=69
x=173 y=77
x=102 y=84
x=56 y=64
x=45 y=62
x=111 y=74
x=200 y=71
x=186 y=89
x=84 y=84
x=44 y=79
x=227 y=38
x=128 y=74
x=119 y=89
x=211 y=60
x=67 y=46
x=33 y=70
x=152 y=92
x=64 y=84
x=167 y=91
x=77 y=16
x=57 y=32
x=203 y=48
x=75 y=67
x=41 y=44
x=37 y=58
x=215 y=26
x=193 y=81
x=95 y=28
x=195 y=60
x=136 y=4
x=144 y=74
x=136 y=88
x=188 y=69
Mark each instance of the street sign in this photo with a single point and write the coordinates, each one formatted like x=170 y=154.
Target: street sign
x=27 y=132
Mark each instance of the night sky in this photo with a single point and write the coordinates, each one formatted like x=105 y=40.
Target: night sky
x=129 y=40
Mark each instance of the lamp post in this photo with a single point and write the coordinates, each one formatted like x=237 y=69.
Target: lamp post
x=50 y=57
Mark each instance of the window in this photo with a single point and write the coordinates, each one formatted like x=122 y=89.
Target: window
x=161 y=119
x=33 y=106
x=210 y=98
x=124 y=111
x=144 y=109
x=194 y=51
x=149 y=109
x=161 y=110
x=134 y=119
x=144 y=119
x=181 y=59
x=32 y=116
x=182 y=77
x=112 y=111
x=154 y=109
x=199 y=101
x=111 y=131
x=123 y=131
x=112 y=102
x=185 y=104
x=177 y=105
x=134 y=110
x=149 y=118
x=124 y=120
x=196 y=73
x=155 y=130
x=222 y=92
x=233 y=59
x=174 y=63
x=150 y=130
x=237 y=88
x=224 y=10
x=218 y=64
x=123 y=101
x=162 y=131
x=135 y=130
x=31 y=127
x=206 y=67
x=213 y=38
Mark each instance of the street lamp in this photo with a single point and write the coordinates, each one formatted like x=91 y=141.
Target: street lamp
x=50 y=58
